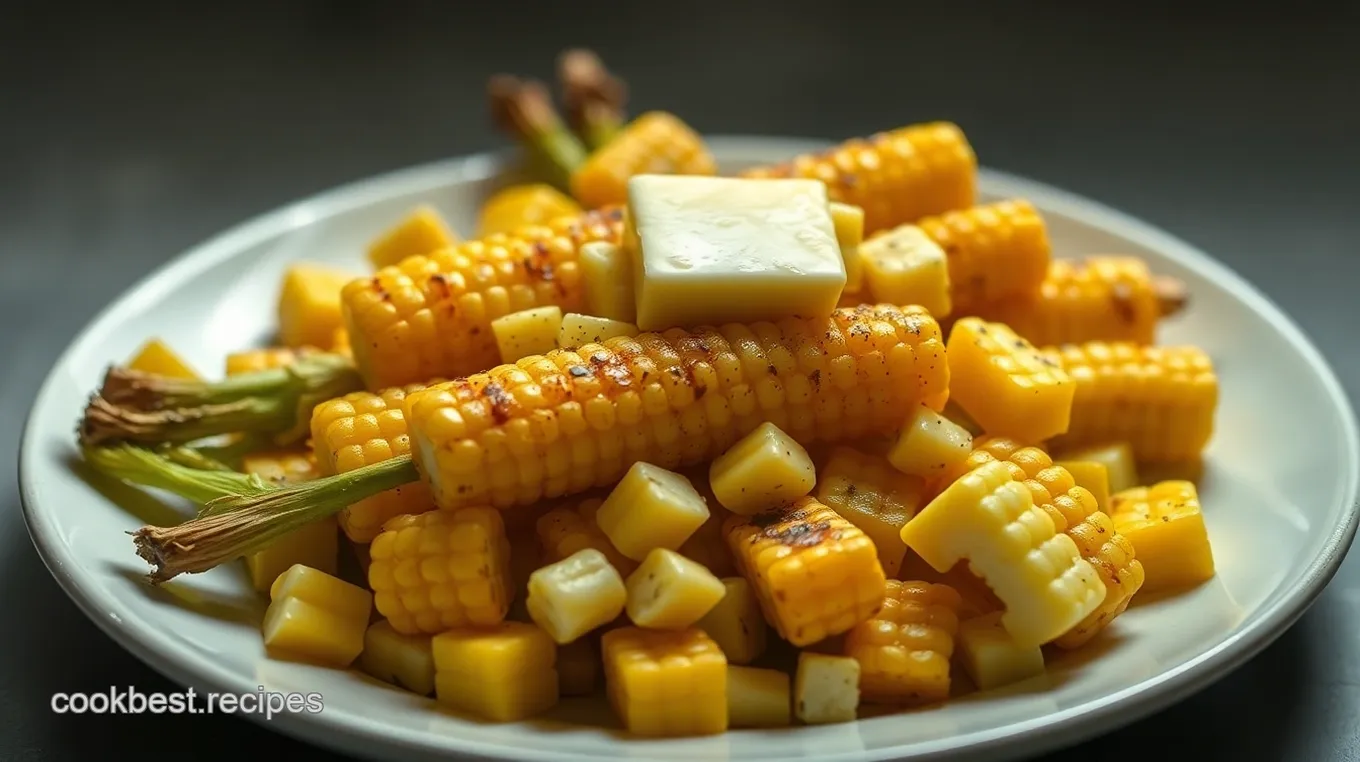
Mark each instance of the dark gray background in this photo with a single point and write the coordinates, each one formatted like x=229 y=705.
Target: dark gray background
x=127 y=136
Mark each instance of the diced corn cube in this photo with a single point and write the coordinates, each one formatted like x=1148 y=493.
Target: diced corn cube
x=406 y=661
x=904 y=651
x=826 y=688
x=848 y=220
x=309 y=304
x=736 y=623
x=866 y=491
x=587 y=329
x=1005 y=384
x=527 y=332
x=671 y=592
x=664 y=683
x=1120 y=466
x=1166 y=526
x=990 y=656
x=315 y=545
x=651 y=508
x=421 y=232
x=758 y=698
x=578 y=667
x=502 y=673
x=607 y=278
x=906 y=266
x=929 y=444
x=316 y=617
x=762 y=471
x=575 y=595
x=1092 y=475
x=323 y=589
x=519 y=206
x=157 y=358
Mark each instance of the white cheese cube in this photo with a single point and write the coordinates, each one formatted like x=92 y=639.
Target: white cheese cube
x=826 y=688
x=905 y=266
x=607 y=281
x=525 y=333
x=578 y=330
x=763 y=470
x=930 y=444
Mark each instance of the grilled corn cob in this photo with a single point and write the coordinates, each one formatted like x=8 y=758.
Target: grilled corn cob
x=1005 y=384
x=816 y=574
x=896 y=177
x=360 y=429
x=440 y=570
x=989 y=519
x=905 y=649
x=1166 y=525
x=656 y=143
x=431 y=316
x=665 y=682
x=574 y=420
x=1076 y=513
x=1105 y=298
x=1161 y=400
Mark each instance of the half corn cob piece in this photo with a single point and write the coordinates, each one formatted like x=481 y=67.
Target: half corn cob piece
x=896 y=177
x=592 y=98
x=665 y=682
x=904 y=651
x=993 y=251
x=1161 y=400
x=816 y=574
x=656 y=143
x=1076 y=513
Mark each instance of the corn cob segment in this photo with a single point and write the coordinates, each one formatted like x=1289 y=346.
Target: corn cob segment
x=989 y=519
x=656 y=143
x=1161 y=400
x=571 y=421
x=896 y=177
x=904 y=651
x=430 y=316
x=1005 y=384
x=665 y=682
x=361 y=429
x=993 y=251
x=815 y=573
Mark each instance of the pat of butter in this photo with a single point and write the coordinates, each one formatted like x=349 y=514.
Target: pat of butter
x=715 y=250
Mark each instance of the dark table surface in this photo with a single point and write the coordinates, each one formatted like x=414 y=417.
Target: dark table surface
x=127 y=135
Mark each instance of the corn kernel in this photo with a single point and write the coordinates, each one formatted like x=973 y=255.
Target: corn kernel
x=848 y=221
x=665 y=683
x=421 y=232
x=758 y=698
x=1006 y=384
x=578 y=330
x=929 y=445
x=1120 y=467
x=1165 y=524
x=578 y=667
x=575 y=595
x=157 y=358
x=528 y=332
x=826 y=688
x=607 y=277
x=762 y=471
x=736 y=623
x=1091 y=475
x=316 y=617
x=866 y=491
x=651 y=508
x=502 y=673
x=309 y=304
x=671 y=592
x=406 y=661
x=906 y=266
x=990 y=656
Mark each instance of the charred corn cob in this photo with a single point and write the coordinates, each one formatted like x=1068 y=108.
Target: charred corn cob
x=904 y=651
x=869 y=493
x=815 y=573
x=1161 y=400
x=361 y=429
x=441 y=569
x=665 y=682
x=574 y=420
x=431 y=316
x=563 y=532
x=656 y=143
x=1166 y=526
x=993 y=251
x=1107 y=298
x=989 y=519
x=1006 y=385
x=896 y=177
x=1076 y=513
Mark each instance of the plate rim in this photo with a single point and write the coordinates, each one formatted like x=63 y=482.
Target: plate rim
x=1040 y=735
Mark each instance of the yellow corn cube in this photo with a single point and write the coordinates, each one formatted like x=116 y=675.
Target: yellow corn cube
x=577 y=330
x=762 y=471
x=157 y=358
x=527 y=332
x=575 y=595
x=990 y=656
x=736 y=623
x=651 y=508
x=1091 y=475
x=1120 y=466
x=866 y=491
x=607 y=280
x=904 y=651
x=519 y=206
x=503 y=673
x=929 y=445
x=665 y=683
x=1166 y=526
x=848 y=220
x=671 y=592
x=1005 y=384
x=826 y=688
x=309 y=304
x=422 y=231
x=906 y=266
x=758 y=698
x=406 y=661
x=578 y=667
x=315 y=545
x=315 y=616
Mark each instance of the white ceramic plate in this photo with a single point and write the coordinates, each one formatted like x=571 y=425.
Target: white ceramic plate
x=1279 y=495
